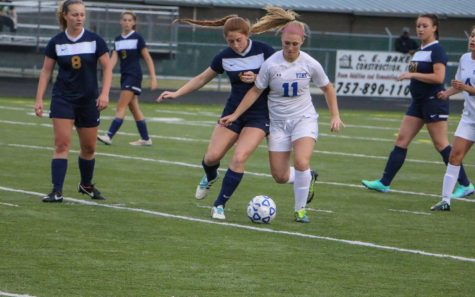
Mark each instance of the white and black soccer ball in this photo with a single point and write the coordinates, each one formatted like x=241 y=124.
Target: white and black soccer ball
x=261 y=209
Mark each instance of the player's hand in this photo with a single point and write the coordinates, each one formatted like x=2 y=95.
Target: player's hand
x=39 y=109
x=102 y=102
x=227 y=120
x=457 y=84
x=166 y=95
x=442 y=95
x=248 y=77
x=153 y=84
x=336 y=124
x=405 y=75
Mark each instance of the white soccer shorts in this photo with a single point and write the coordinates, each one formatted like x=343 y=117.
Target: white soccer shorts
x=466 y=130
x=284 y=132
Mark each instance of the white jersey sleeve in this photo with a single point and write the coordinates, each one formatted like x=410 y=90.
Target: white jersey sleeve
x=262 y=79
x=319 y=77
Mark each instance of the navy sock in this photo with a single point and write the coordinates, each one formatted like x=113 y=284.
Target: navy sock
x=115 y=126
x=58 y=173
x=86 y=168
x=142 y=127
x=394 y=163
x=210 y=171
x=462 y=179
x=231 y=181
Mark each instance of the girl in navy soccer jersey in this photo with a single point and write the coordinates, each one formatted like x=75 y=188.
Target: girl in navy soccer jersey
x=427 y=74
x=76 y=100
x=129 y=47
x=241 y=61
x=465 y=134
x=293 y=118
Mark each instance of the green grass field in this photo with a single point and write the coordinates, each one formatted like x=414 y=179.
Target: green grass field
x=153 y=238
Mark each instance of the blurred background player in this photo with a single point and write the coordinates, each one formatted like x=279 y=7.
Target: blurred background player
x=404 y=43
x=241 y=61
x=465 y=134
x=129 y=47
x=427 y=75
x=293 y=118
x=75 y=100
x=8 y=16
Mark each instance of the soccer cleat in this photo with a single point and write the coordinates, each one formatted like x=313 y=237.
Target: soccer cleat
x=217 y=212
x=301 y=216
x=461 y=191
x=375 y=185
x=203 y=187
x=441 y=205
x=141 y=142
x=311 y=190
x=91 y=191
x=105 y=139
x=53 y=197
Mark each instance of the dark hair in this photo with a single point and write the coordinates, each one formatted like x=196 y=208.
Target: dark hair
x=63 y=8
x=435 y=21
x=132 y=14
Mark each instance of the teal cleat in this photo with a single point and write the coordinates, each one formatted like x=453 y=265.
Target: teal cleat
x=441 y=206
x=301 y=216
x=461 y=191
x=375 y=185
x=203 y=187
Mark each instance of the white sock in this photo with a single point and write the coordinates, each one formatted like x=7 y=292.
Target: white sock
x=301 y=187
x=450 y=179
x=291 y=175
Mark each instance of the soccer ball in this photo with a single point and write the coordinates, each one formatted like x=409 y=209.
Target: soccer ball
x=261 y=209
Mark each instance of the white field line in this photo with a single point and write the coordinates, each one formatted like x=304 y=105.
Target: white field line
x=411 y=212
x=125 y=157
x=319 y=210
x=14 y=295
x=187 y=139
x=9 y=204
x=253 y=228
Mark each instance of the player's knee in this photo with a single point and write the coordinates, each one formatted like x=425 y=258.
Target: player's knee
x=61 y=147
x=280 y=177
x=88 y=150
x=455 y=158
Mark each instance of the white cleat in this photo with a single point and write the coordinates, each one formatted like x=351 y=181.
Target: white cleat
x=203 y=187
x=141 y=142
x=217 y=212
x=105 y=139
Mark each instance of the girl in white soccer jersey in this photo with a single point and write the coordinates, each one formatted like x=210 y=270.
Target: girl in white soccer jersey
x=293 y=119
x=465 y=134
x=129 y=47
x=76 y=100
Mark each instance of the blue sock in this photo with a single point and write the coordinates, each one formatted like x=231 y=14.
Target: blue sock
x=231 y=181
x=142 y=127
x=394 y=163
x=115 y=126
x=462 y=179
x=58 y=173
x=210 y=171
x=86 y=168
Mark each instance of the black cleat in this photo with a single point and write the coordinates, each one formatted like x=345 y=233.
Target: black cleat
x=441 y=206
x=53 y=197
x=91 y=191
x=311 y=190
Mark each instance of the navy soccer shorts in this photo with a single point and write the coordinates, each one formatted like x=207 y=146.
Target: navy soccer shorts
x=131 y=83
x=85 y=115
x=260 y=122
x=429 y=110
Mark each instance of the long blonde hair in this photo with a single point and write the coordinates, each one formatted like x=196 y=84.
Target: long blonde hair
x=230 y=23
x=63 y=9
x=279 y=19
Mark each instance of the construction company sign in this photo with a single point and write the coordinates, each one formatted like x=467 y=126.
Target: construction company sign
x=371 y=74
